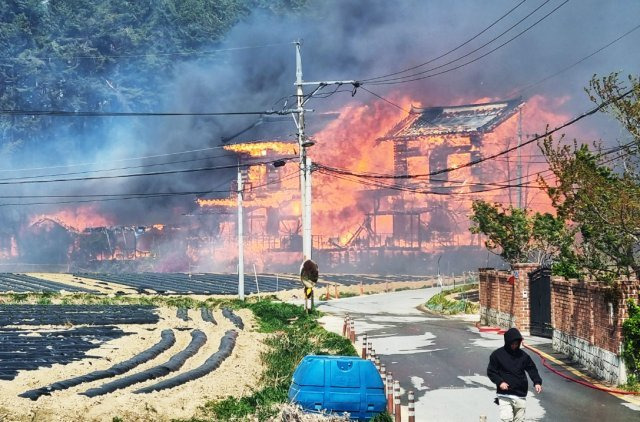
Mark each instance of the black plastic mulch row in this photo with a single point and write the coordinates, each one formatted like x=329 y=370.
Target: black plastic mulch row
x=237 y=321
x=77 y=314
x=167 y=339
x=198 y=339
x=167 y=283
x=21 y=350
x=227 y=344
x=183 y=314
x=207 y=316
x=21 y=283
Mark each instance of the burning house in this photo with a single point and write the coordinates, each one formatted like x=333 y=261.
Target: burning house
x=406 y=221
x=394 y=223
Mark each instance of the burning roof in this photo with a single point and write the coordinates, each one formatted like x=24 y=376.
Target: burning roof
x=454 y=120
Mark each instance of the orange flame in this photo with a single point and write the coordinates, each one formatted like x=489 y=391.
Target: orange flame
x=261 y=149
x=78 y=218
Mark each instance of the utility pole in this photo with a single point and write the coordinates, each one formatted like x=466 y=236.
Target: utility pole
x=240 y=239
x=519 y=165
x=303 y=144
x=305 y=169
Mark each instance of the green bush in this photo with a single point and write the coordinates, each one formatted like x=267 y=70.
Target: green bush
x=382 y=417
x=631 y=345
x=297 y=334
x=440 y=303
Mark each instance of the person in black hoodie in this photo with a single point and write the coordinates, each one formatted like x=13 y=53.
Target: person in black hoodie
x=507 y=366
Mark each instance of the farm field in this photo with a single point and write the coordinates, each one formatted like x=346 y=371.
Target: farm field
x=95 y=362
x=147 y=346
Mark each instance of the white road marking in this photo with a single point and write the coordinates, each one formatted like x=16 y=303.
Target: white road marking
x=418 y=382
x=632 y=406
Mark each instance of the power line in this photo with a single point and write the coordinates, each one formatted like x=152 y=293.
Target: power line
x=498 y=154
x=384 y=99
x=175 y=53
x=129 y=196
x=403 y=79
x=410 y=189
x=156 y=173
x=497 y=186
x=62 y=113
x=118 y=168
x=146 y=157
x=471 y=52
x=450 y=51
x=546 y=78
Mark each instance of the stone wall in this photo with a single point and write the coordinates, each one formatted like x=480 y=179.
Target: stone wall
x=503 y=304
x=587 y=320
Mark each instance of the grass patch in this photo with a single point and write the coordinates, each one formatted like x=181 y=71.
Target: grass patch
x=48 y=298
x=441 y=304
x=342 y=295
x=297 y=335
x=633 y=384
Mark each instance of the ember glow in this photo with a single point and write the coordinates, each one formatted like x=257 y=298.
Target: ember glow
x=349 y=217
x=356 y=221
x=76 y=218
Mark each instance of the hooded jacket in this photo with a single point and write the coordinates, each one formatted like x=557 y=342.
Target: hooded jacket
x=506 y=365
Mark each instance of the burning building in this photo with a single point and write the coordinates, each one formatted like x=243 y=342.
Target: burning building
x=391 y=223
x=407 y=220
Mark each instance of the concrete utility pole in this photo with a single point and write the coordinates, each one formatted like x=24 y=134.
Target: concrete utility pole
x=240 y=240
x=304 y=143
x=305 y=169
x=519 y=165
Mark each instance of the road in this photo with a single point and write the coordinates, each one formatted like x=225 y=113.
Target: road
x=444 y=362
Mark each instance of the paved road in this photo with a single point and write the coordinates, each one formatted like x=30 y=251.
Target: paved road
x=444 y=361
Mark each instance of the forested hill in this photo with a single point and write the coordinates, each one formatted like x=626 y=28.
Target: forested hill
x=107 y=55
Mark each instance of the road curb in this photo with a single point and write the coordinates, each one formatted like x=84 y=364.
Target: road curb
x=585 y=377
x=574 y=371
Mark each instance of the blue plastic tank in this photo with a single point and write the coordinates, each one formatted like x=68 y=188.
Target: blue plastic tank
x=338 y=384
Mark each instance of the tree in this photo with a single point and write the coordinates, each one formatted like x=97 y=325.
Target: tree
x=517 y=236
x=601 y=201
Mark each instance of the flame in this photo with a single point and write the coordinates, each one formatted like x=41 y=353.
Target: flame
x=343 y=208
x=77 y=218
x=263 y=148
x=346 y=213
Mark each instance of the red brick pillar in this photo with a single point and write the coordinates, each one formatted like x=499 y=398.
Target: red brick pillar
x=522 y=310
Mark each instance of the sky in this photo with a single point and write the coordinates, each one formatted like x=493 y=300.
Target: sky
x=347 y=40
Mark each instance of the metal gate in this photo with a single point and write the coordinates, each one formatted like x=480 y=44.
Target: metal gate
x=540 y=302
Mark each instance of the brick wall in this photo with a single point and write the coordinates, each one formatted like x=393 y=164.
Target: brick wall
x=503 y=304
x=587 y=320
x=586 y=316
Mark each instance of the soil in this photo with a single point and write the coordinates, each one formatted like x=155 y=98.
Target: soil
x=235 y=377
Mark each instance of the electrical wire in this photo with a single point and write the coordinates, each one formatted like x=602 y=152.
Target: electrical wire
x=450 y=51
x=178 y=53
x=393 y=81
x=494 y=186
x=553 y=75
x=62 y=113
x=128 y=196
x=498 y=154
x=146 y=157
x=156 y=173
x=230 y=155
x=385 y=100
